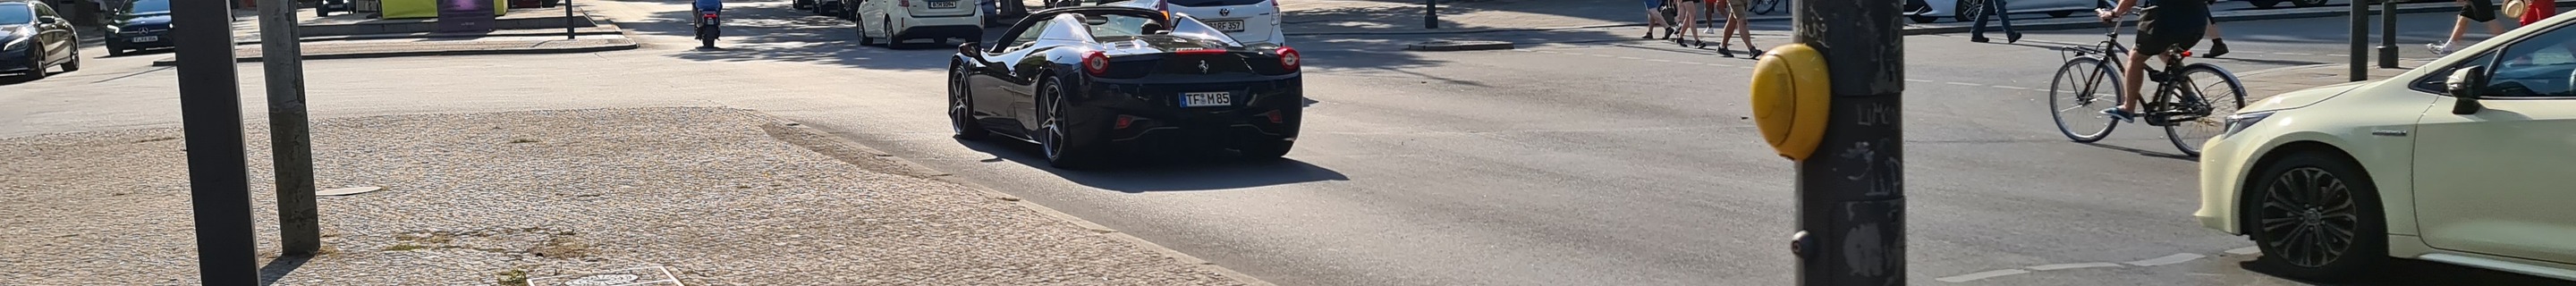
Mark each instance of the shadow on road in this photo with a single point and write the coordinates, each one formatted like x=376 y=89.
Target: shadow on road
x=277 y=269
x=2142 y=152
x=2411 y=272
x=772 y=31
x=1165 y=173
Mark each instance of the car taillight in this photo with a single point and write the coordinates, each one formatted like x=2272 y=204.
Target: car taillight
x=1097 y=64
x=1289 y=59
x=1274 y=4
x=904 y=3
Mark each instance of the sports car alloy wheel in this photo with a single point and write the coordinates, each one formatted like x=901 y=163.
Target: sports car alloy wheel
x=961 y=106
x=2312 y=216
x=36 y=62
x=1052 y=134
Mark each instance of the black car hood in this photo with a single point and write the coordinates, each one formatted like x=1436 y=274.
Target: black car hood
x=149 y=19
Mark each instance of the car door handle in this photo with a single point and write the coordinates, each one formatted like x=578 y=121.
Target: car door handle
x=2395 y=133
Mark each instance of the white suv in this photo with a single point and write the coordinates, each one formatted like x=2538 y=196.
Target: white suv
x=899 y=20
x=1248 y=21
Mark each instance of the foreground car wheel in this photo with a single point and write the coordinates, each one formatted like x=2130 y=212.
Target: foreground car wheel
x=2316 y=216
x=73 y=65
x=35 y=63
x=961 y=107
x=1064 y=147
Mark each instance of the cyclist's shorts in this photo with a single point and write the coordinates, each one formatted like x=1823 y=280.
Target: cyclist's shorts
x=2181 y=31
x=1737 y=7
x=2479 y=10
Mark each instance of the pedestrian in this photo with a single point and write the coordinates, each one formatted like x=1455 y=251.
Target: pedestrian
x=2535 y=10
x=2483 y=11
x=1737 y=24
x=1994 y=9
x=2217 y=46
x=1690 y=11
x=1655 y=19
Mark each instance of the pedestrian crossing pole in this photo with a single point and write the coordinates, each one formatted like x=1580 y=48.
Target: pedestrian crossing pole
x=2388 y=34
x=218 y=172
x=1430 y=14
x=1831 y=103
x=2361 y=39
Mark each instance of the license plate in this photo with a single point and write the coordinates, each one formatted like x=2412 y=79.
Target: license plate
x=1228 y=26
x=943 y=4
x=1198 y=99
x=147 y=39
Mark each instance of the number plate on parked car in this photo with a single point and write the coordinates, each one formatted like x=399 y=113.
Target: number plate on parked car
x=1198 y=99
x=943 y=4
x=1228 y=26
x=147 y=39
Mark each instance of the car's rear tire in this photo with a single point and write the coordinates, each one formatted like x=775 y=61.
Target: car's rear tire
x=2061 y=14
x=2265 y=4
x=2308 y=3
x=2298 y=205
x=1065 y=146
x=1922 y=19
x=864 y=39
x=73 y=64
x=1969 y=10
x=961 y=106
x=891 y=42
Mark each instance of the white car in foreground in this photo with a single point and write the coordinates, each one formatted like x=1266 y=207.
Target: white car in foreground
x=1248 y=21
x=2466 y=160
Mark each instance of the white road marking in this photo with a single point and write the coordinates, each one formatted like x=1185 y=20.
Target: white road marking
x=1917 y=80
x=1962 y=83
x=2168 y=259
x=2011 y=87
x=2295 y=54
x=2338 y=55
x=1661 y=60
x=2074 y=266
x=1631 y=58
x=2245 y=251
x=1981 y=275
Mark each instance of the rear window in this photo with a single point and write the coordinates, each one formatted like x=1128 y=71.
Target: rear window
x=1120 y=27
x=1209 y=3
x=150 y=7
x=16 y=14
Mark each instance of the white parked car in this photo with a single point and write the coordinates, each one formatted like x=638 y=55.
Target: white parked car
x=2466 y=160
x=895 y=21
x=1248 y=21
x=1927 y=11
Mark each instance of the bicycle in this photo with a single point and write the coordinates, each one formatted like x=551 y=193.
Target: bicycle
x=2177 y=109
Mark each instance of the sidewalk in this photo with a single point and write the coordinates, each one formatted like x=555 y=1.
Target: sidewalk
x=1344 y=17
x=601 y=36
x=700 y=196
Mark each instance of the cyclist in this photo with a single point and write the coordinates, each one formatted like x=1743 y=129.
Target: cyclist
x=1655 y=19
x=2172 y=26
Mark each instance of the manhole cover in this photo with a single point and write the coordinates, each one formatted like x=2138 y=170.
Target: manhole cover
x=638 y=276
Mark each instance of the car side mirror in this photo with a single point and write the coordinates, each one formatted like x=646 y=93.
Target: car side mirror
x=971 y=50
x=2466 y=85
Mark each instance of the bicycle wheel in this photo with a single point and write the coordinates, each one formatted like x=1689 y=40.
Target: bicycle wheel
x=2213 y=94
x=2083 y=88
x=1764 y=7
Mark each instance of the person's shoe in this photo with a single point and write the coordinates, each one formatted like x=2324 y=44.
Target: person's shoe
x=1756 y=52
x=2216 y=48
x=1721 y=51
x=1979 y=39
x=1704 y=45
x=1681 y=42
x=2122 y=115
x=2439 y=48
x=2010 y=37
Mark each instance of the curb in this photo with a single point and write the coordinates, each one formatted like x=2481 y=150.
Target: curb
x=593 y=32
x=843 y=148
x=1446 y=46
x=628 y=45
x=2273 y=14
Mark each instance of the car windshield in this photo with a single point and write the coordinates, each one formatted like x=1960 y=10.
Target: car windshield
x=1119 y=27
x=16 y=14
x=149 y=7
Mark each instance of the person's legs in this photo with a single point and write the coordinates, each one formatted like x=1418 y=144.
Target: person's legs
x=1741 y=25
x=1722 y=36
x=1690 y=14
x=1654 y=17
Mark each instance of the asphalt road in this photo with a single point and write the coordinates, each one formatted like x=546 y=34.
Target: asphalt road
x=1584 y=158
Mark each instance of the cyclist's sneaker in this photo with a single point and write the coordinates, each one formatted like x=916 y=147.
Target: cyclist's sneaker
x=2216 y=47
x=2122 y=115
x=2439 y=48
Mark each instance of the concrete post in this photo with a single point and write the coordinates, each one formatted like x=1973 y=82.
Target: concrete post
x=2360 y=40
x=299 y=225
x=218 y=173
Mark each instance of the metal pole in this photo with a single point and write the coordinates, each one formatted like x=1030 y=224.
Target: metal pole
x=299 y=227
x=2360 y=40
x=568 y=21
x=1851 y=197
x=2388 y=34
x=218 y=173
x=1431 y=14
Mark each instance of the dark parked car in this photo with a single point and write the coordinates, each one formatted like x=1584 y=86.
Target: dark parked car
x=1088 y=83
x=33 y=38
x=143 y=24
